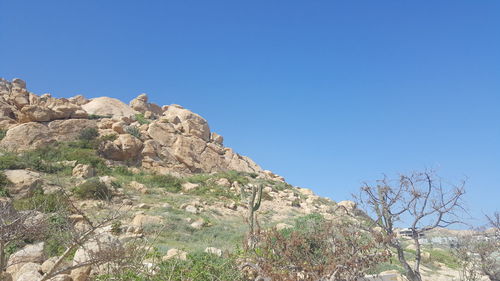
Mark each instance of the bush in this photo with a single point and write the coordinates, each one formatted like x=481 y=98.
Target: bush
x=315 y=249
x=198 y=266
x=93 y=189
x=45 y=203
x=141 y=119
x=134 y=131
x=58 y=235
x=2 y=133
x=88 y=134
x=3 y=184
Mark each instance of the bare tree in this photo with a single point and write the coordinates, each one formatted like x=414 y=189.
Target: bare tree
x=420 y=199
x=489 y=250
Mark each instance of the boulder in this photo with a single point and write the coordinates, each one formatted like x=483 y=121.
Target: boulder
x=83 y=171
x=214 y=251
x=347 y=205
x=192 y=123
x=125 y=147
x=139 y=187
x=26 y=270
x=140 y=104
x=34 y=135
x=198 y=224
x=141 y=220
x=30 y=253
x=216 y=138
x=188 y=186
x=78 y=100
x=105 y=106
x=175 y=254
x=23 y=182
x=163 y=133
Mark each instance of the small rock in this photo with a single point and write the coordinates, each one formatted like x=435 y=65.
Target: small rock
x=214 y=251
x=83 y=171
x=191 y=209
x=188 y=186
x=139 y=187
x=175 y=254
x=198 y=224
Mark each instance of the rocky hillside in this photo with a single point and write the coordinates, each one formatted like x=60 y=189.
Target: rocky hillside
x=160 y=169
x=166 y=139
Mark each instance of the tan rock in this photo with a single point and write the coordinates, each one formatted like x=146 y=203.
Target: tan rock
x=141 y=220
x=83 y=171
x=163 y=133
x=188 y=186
x=214 y=251
x=193 y=123
x=175 y=254
x=23 y=182
x=78 y=100
x=125 y=147
x=106 y=106
x=30 y=253
x=139 y=187
x=216 y=138
x=119 y=127
x=281 y=226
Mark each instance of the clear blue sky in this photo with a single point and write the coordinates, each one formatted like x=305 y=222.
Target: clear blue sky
x=326 y=93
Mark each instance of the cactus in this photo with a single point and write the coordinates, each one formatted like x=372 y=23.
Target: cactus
x=254 y=202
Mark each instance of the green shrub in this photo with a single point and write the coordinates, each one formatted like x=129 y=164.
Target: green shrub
x=134 y=131
x=88 y=134
x=46 y=203
x=198 y=266
x=141 y=119
x=58 y=235
x=93 y=189
x=116 y=227
x=3 y=185
x=2 y=133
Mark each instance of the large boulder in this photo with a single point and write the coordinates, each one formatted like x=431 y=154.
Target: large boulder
x=30 y=253
x=192 y=123
x=34 y=135
x=23 y=182
x=140 y=104
x=125 y=147
x=163 y=133
x=106 y=106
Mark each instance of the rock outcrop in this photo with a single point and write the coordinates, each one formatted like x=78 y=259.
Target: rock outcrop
x=18 y=105
x=105 y=106
x=167 y=139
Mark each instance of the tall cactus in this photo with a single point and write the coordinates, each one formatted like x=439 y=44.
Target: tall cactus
x=253 y=205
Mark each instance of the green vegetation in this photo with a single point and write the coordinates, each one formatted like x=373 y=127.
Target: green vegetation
x=93 y=189
x=444 y=257
x=134 y=131
x=141 y=119
x=88 y=134
x=2 y=133
x=3 y=184
x=58 y=235
x=45 y=203
x=168 y=182
x=49 y=159
x=198 y=266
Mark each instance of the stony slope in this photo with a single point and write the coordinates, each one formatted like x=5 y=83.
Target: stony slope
x=168 y=139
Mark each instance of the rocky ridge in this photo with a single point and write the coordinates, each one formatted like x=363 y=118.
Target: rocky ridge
x=165 y=139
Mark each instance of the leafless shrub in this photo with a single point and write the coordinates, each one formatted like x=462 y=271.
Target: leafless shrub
x=422 y=199
x=317 y=250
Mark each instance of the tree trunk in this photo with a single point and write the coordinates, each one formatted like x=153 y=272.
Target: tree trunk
x=3 y=264
x=409 y=272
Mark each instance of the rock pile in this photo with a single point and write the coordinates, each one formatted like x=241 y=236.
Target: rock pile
x=167 y=139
